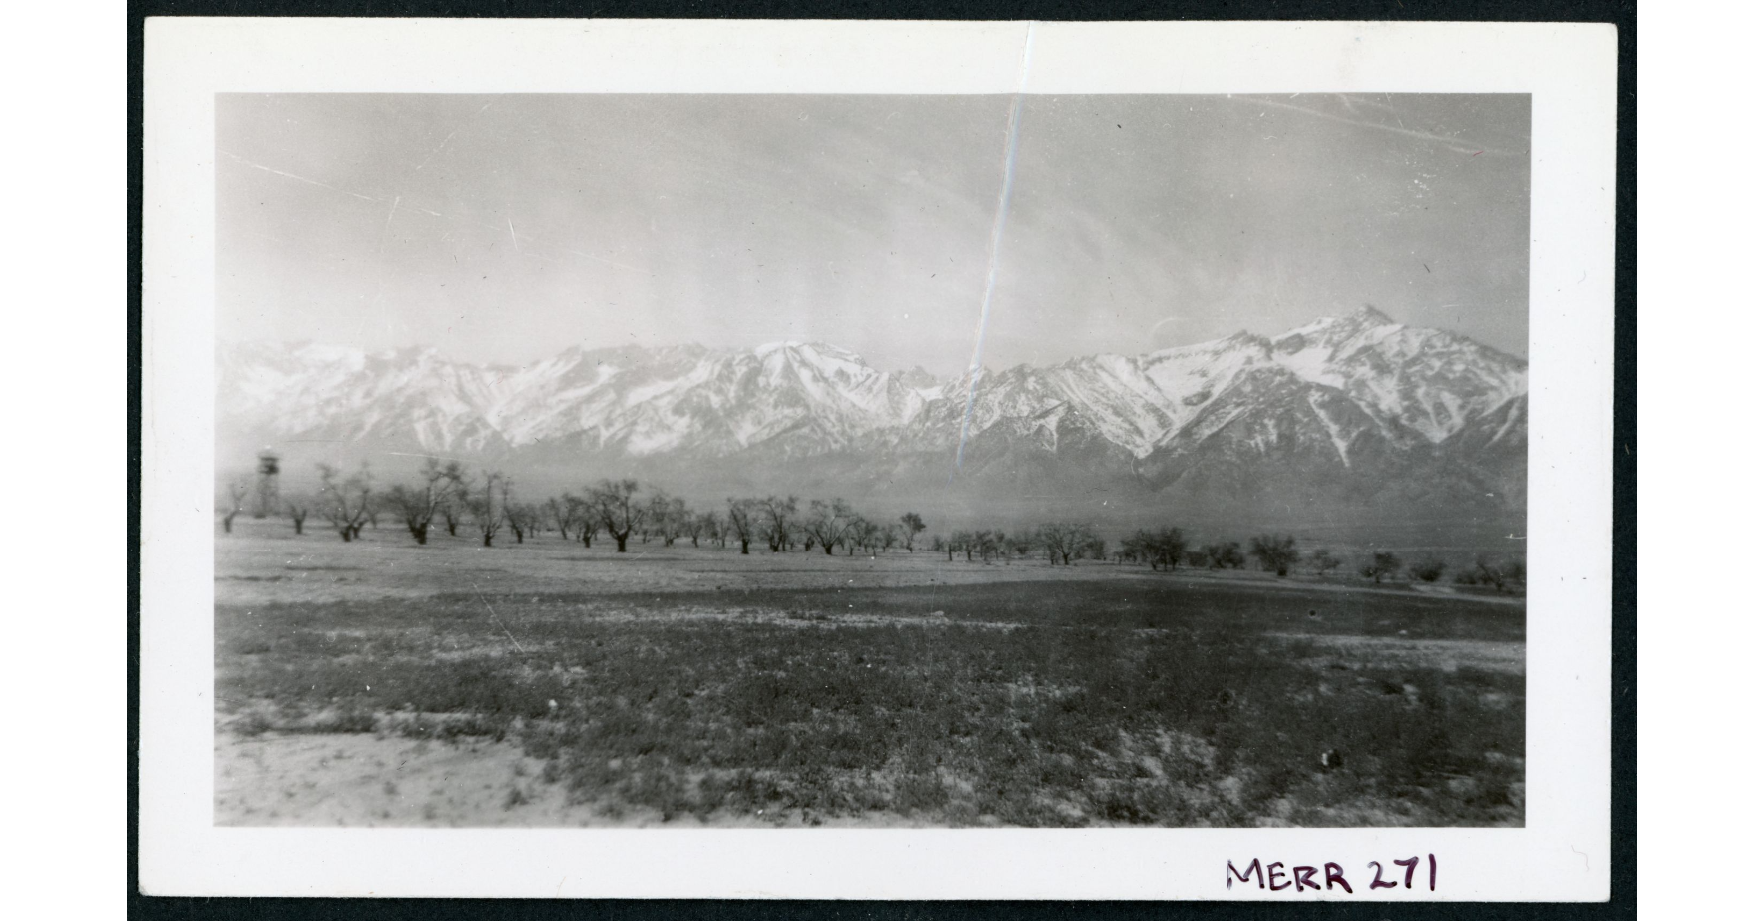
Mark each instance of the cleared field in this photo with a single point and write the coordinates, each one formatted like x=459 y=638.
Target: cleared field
x=545 y=684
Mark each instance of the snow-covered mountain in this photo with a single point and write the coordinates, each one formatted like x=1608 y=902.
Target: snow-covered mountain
x=1339 y=412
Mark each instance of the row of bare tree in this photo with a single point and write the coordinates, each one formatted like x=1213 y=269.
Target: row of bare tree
x=1061 y=541
x=447 y=494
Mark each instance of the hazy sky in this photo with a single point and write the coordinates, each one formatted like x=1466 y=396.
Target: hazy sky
x=505 y=228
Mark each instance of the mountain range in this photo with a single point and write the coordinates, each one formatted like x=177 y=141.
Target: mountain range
x=1355 y=416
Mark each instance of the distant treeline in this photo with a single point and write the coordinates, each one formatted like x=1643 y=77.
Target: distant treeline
x=449 y=495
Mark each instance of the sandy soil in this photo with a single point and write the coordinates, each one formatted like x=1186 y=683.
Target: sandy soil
x=364 y=780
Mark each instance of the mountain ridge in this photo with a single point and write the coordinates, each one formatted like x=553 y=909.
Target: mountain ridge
x=1342 y=413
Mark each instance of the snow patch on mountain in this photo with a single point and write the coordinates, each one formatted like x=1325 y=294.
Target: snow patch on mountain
x=1353 y=394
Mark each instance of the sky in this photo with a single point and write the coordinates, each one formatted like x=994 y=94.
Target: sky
x=503 y=229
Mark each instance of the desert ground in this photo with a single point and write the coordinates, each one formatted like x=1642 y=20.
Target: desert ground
x=543 y=684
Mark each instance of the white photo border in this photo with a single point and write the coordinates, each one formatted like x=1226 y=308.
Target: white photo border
x=1563 y=853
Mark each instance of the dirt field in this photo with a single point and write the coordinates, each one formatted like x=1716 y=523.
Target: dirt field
x=381 y=683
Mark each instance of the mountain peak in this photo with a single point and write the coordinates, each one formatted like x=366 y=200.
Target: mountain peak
x=810 y=350
x=1372 y=316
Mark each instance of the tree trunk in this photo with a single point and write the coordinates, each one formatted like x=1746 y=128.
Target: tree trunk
x=828 y=548
x=227 y=522
x=421 y=534
x=951 y=554
x=345 y=533
x=487 y=539
x=621 y=538
x=354 y=531
x=743 y=545
x=299 y=526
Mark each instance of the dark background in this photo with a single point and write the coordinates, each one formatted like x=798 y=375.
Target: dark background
x=1622 y=904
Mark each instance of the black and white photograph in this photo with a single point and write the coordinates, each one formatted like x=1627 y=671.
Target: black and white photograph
x=832 y=460
x=877 y=460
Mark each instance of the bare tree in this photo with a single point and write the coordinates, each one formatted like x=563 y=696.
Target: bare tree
x=1275 y=552
x=1136 y=548
x=453 y=501
x=297 y=509
x=707 y=525
x=565 y=514
x=417 y=505
x=344 y=502
x=912 y=525
x=780 y=515
x=863 y=534
x=585 y=515
x=744 y=517
x=237 y=490
x=668 y=516
x=890 y=536
x=827 y=523
x=487 y=506
x=523 y=517
x=615 y=504
x=1062 y=539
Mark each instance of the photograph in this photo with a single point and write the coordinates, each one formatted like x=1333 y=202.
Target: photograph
x=880 y=460
x=844 y=460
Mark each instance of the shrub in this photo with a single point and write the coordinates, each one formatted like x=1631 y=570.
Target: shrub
x=1224 y=555
x=1428 y=569
x=1383 y=563
x=1275 y=553
x=1503 y=576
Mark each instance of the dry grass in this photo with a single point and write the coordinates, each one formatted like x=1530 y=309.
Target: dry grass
x=805 y=689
